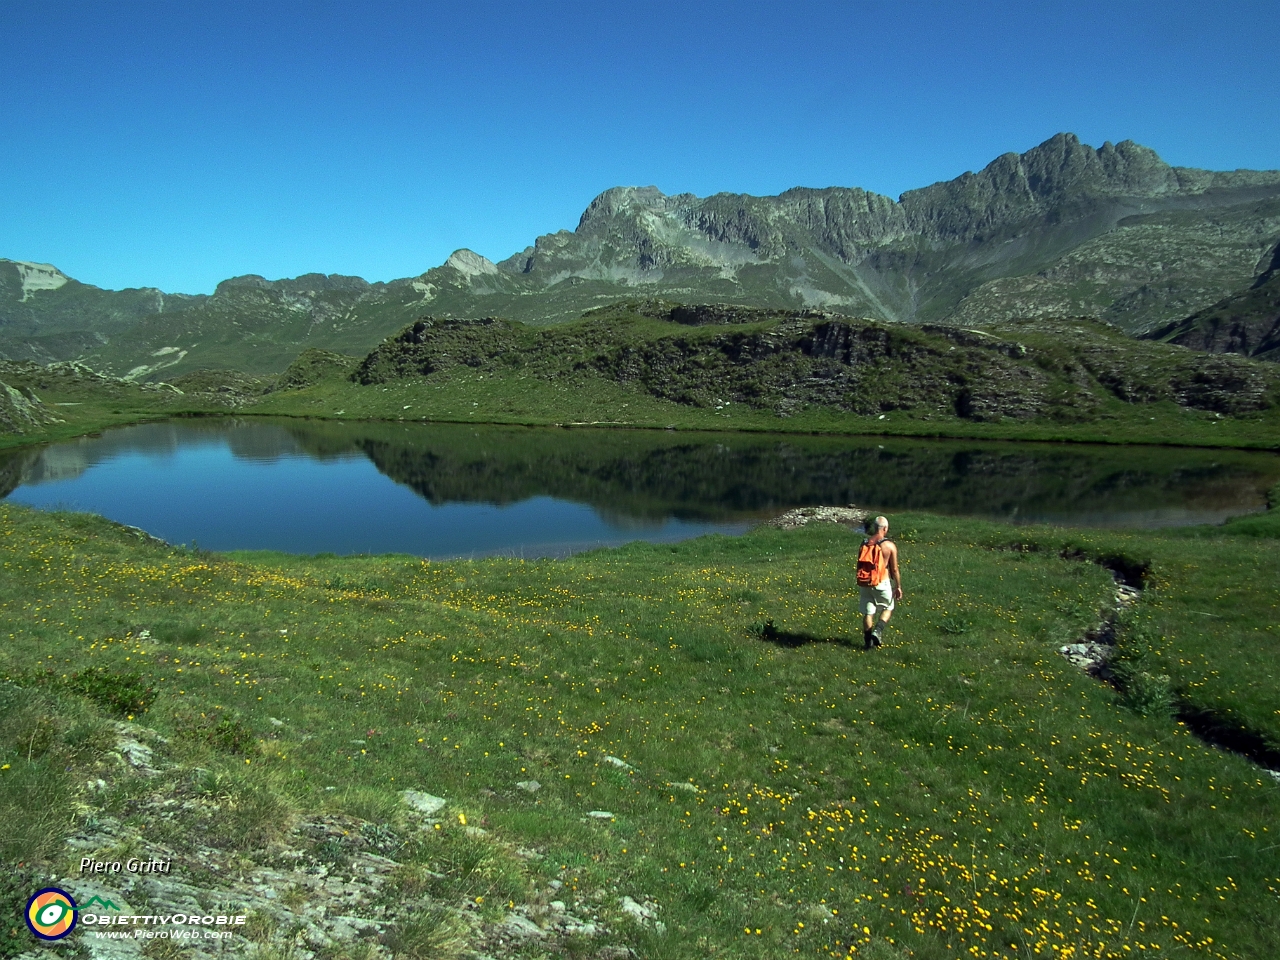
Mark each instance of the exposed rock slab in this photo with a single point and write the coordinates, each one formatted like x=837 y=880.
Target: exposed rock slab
x=849 y=516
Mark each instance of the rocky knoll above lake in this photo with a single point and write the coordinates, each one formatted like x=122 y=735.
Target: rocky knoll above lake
x=1061 y=230
x=21 y=410
x=1061 y=369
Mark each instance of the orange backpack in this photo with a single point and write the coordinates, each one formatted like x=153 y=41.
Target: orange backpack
x=873 y=565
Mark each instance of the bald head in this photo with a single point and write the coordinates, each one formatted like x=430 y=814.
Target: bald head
x=878 y=525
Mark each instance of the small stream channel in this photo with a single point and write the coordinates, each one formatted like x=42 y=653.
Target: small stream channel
x=1094 y=653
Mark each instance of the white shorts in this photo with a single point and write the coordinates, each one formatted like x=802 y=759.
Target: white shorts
x=876 y=600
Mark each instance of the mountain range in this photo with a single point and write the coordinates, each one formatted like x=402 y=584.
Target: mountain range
x=1063 y=230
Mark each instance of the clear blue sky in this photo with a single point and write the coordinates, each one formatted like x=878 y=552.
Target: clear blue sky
x=174 y=144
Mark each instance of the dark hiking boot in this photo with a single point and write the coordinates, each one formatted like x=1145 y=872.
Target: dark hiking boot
x=868 y=639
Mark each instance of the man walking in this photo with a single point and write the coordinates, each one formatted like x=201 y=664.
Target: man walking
x=879 y=582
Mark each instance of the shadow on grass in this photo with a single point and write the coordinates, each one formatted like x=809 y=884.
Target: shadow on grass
x=788 y=638
x=1220 y=729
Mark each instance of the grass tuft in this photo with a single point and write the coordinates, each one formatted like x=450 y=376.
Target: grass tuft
x=437 y=933
x=366 y=803
x=247 y=811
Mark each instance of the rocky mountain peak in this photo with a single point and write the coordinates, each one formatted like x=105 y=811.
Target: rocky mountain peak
x=250 y=281
x=1062 y=165
x=471 y=264
x=618 y=200
x=308 y=284
x=1015 y=187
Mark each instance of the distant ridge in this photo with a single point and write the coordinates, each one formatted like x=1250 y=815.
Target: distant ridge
x=1063 y=229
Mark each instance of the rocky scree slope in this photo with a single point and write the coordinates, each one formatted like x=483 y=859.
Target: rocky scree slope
x=716 y=356
x=1063 y=229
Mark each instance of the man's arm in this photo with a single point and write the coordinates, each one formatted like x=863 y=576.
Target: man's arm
x=894 y=575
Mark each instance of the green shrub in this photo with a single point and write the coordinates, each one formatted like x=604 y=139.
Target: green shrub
x=259 y=927
x=365 y=803
x=223 y=730
x=164 y=949
x=1149 y=694
x=462 y=865
x=17 y=883
x=36 y=803
x=1144 y=691
x=350 y=950
x=177 y=632
x=124 y=695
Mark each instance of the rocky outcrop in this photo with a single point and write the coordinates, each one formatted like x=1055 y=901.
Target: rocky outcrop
x=470 y=264
x=431 y=345
x=312 y=366
x=223 y=388
x=849 y=516
x=309 y=284
x=21 y=410
x=720 y=356
x=311 y=886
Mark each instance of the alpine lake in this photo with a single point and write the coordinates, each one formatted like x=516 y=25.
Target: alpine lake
x=444 y=491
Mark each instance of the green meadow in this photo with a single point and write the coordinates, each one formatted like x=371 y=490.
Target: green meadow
x=773 y=790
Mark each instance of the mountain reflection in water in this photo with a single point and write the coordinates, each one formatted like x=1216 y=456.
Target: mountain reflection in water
x=311 y=486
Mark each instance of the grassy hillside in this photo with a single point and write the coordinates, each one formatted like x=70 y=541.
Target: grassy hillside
x=1247 y=323
x=653 y=364
x=773 y=788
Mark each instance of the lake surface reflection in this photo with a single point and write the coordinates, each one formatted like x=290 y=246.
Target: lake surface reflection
x=460 y=490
